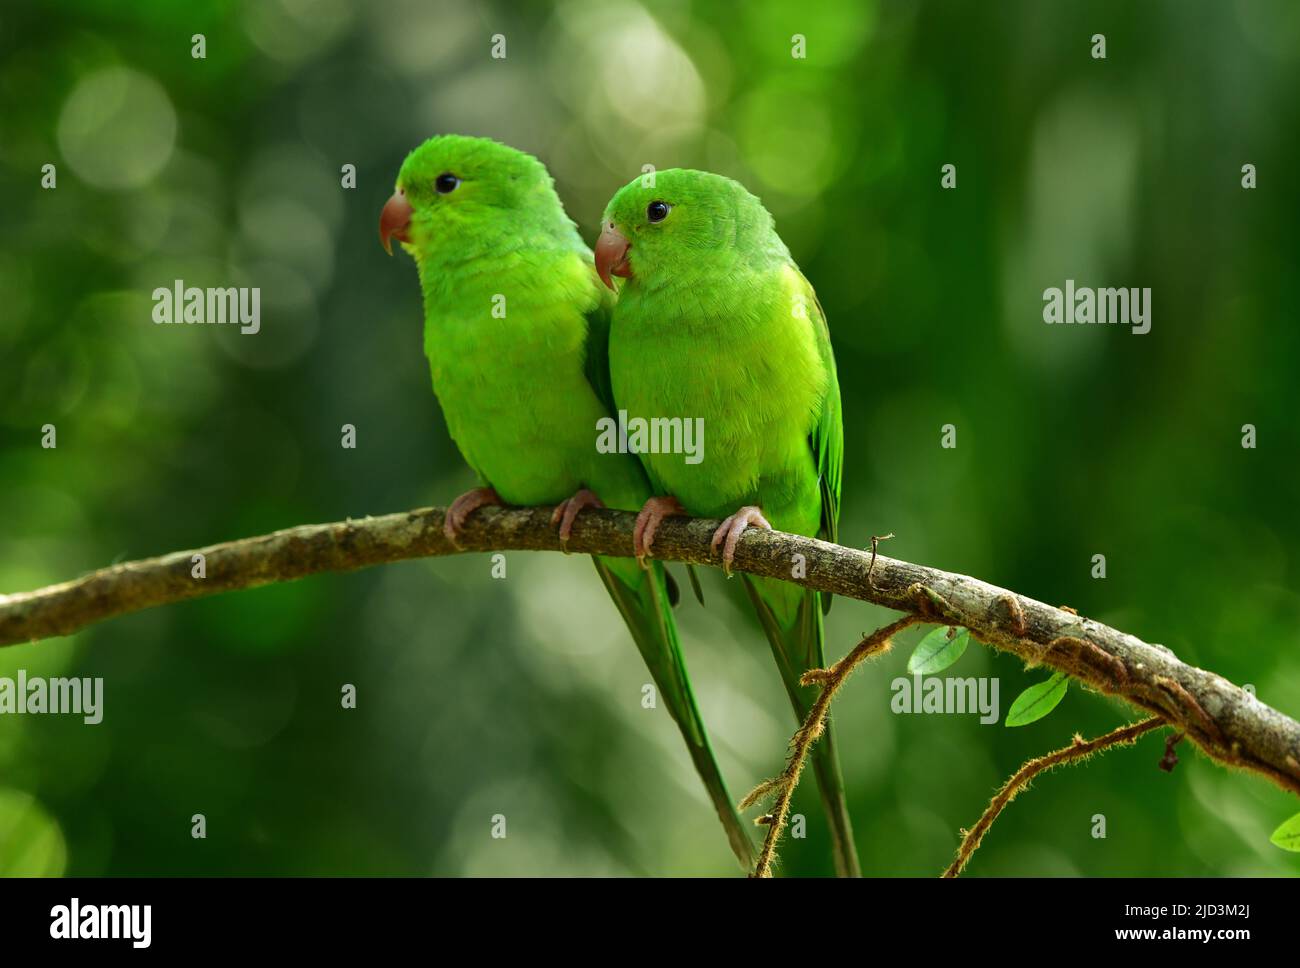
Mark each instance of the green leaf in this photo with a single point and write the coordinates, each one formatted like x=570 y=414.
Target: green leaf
x=1037 y=701
x=1287 y=836
x=937 y=651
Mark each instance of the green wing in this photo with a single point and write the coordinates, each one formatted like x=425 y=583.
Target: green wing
x=596 y=362
x=827 y=437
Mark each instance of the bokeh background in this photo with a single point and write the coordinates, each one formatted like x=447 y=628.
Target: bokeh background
x=522 y=696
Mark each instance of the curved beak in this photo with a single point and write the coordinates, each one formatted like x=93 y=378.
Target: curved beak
x=395 y=221
x=611 y=255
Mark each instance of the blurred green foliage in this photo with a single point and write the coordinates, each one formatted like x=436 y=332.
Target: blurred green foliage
x=522 y=697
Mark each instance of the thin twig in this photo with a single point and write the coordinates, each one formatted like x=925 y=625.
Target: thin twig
x=783 y=786
x=875 y=543
x=1077 y=750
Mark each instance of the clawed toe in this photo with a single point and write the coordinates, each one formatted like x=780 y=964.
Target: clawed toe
x=647 y=523
x=463 y=507
x=731 y=530
x=566 y=512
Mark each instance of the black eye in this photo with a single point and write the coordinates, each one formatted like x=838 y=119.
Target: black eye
x=446 y=183
x=656 y=211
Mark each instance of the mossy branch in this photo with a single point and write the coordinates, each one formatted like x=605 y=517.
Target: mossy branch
x=1226 y=721
x=781 y=788
x=1079 y=749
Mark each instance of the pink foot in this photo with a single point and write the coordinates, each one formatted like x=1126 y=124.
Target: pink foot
x=647 y=523
x=566 y=512
x=732 y=528
x=463 y=507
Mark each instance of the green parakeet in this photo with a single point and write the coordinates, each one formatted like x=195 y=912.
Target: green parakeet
x=716 y=322
x=516 y=327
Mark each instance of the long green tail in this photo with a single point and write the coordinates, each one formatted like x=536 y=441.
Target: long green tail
x=799 y=645
x=642 y=598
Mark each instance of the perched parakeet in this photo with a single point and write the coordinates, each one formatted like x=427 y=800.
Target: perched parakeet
x=516 y=328
x=716 y=322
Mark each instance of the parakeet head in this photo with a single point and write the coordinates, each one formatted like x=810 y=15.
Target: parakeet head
x=662 y=226
x=457 y=194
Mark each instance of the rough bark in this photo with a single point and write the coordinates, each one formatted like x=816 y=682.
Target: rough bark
x=1226 y=721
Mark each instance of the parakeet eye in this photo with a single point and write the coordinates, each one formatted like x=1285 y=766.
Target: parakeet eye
x=446 y=183
x=657 y=211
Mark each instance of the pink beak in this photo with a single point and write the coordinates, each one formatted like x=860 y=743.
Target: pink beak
x=611 y=255
x=395 y=221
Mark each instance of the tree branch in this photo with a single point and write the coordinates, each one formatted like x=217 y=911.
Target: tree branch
x=781 y=788
x=1079 y=749
x=1228 y=723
